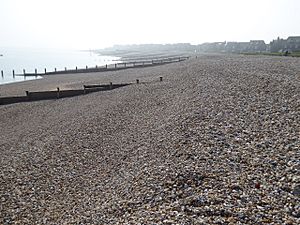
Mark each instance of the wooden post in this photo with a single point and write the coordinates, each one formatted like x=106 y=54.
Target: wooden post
x=35 y=71
x=13 y=73
x=24 y=71
x=160 y=78
x=65 y=68
x=110 y=85
x=115 y=65
x=106 y=66
x=86 y=67
x=137 y=81
x=76 y=68
x=28 y=95
x=45 y=70
x=2 y=73
x=58 y=92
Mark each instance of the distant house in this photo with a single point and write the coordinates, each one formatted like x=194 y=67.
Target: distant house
x=236 y=47
x=293 y=44
x=278 y=45
x=257 y=46
x=212 y=47
x=230 y=47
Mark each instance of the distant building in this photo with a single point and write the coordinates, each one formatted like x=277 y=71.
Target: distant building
x=257 y=46
x=293 y=44
x=212 y=47
x=278 y=45
x=236 y=47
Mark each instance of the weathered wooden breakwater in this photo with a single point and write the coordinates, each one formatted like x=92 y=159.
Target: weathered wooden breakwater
x=110 y=67
x=56 y=94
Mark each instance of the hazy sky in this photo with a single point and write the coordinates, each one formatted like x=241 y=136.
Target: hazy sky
x=85 y=24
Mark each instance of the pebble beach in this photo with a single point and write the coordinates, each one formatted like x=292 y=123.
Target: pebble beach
x=216 y=142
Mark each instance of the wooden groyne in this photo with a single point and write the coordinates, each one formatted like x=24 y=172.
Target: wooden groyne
x=107 y=67
x=56 y=94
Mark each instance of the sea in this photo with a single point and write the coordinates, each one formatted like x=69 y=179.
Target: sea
x=31 y=59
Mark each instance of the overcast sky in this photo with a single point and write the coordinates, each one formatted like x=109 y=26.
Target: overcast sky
x=89 y=24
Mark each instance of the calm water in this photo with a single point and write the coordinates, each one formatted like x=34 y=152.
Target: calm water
x=30 y=59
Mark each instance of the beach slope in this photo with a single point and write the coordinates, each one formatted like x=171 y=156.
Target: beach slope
x=215 y=142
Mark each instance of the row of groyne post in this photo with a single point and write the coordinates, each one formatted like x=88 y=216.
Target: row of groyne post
x=58 y=93
x=107 y=67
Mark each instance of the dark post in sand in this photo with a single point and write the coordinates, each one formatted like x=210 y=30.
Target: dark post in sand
x=28 y=95
x=58 y=92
